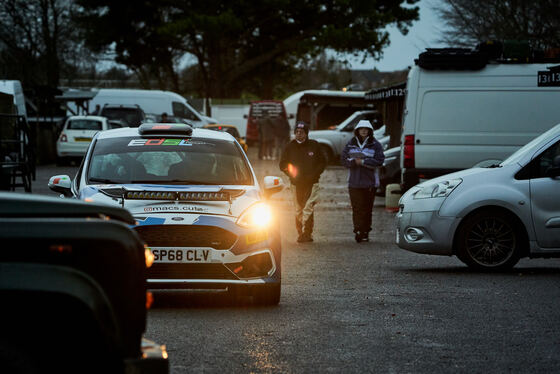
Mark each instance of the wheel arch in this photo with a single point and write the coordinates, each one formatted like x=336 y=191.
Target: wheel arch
x=524 y=235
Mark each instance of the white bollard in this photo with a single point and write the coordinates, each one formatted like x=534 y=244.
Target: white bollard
x=392 y=196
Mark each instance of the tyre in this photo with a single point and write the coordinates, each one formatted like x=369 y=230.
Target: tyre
x=490 y=241
x=267 y=295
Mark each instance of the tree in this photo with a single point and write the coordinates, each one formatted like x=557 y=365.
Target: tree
x=471 y=21
x=38 y=41
x=241 y=45
x=131 y=29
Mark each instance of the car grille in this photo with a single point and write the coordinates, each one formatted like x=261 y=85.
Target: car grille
x=189 y=271
x=186 y=236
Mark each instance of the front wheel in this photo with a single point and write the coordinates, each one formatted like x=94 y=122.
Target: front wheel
x=489 y=241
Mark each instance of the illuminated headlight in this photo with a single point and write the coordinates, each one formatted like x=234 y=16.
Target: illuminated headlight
x=440 y=189
x=258 y=215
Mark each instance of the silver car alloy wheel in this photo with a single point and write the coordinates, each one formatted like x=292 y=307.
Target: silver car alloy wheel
x=491 y=241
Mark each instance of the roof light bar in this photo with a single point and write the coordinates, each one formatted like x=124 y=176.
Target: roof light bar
x=171 y=129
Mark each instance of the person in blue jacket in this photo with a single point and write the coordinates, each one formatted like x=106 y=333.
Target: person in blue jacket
x=362 y=155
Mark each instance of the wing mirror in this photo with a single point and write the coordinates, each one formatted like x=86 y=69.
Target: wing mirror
x=61 y=184
x=272 y=185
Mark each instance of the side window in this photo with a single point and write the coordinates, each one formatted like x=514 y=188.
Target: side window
x=180 y=110
x=544 y=161
x=350 y=127
x=115 y=125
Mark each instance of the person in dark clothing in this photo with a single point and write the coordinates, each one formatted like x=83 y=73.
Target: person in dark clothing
x=303 y=161
x=165 y=118
x=266 y=136
x=362 y=155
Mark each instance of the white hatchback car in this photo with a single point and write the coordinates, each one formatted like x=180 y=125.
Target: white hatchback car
x=77 y=133
x=489 y=217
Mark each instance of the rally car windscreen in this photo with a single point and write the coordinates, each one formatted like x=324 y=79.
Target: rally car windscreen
x=168 y=161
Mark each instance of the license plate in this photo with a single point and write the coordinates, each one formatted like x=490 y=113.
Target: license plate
x=190 y=255
x=83 y=139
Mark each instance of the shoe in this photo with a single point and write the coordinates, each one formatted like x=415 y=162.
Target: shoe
x=304 y=238
x=358 y=237
x=365 y=237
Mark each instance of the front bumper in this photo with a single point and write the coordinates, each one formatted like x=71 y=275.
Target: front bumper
x=216 y=254
x=71 y=149
x=226 y=270
x=434 y=233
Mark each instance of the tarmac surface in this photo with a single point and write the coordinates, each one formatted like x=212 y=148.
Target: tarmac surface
x=368 y=307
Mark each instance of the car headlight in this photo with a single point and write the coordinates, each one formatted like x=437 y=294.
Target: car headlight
x=258 y=215
x=440 y=189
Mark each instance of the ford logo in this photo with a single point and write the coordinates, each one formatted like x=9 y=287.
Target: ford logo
x=177 y=218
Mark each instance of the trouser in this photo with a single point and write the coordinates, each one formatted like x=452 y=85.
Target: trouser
x=305 y=198
x=266 y=148
x=361 y=200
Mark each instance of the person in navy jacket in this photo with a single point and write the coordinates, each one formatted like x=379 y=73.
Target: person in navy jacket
x=362 y=156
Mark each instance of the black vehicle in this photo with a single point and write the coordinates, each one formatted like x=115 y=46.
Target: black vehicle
x=73 y=289
x=132 y=115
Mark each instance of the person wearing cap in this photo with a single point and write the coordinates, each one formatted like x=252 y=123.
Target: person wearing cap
x=362 y=156
x=303 y=162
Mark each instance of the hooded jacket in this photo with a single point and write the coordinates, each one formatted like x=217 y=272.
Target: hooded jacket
x=303 y=162
x=366 y=175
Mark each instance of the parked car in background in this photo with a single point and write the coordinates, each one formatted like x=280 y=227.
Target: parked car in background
x=333 y=140
x=230 y=129
x=197 y=204
x=77 y=132
x=274 y=108
x=152 y=101
x=73 y=288
x=132 y=115
x=489 y=217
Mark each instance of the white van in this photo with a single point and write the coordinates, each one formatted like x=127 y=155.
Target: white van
x=152 y=102
x=14 y=88
x=455 y=120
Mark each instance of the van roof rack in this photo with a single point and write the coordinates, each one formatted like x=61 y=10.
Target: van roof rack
x=506 y=52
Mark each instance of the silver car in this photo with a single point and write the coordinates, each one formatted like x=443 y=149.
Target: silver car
x=489 y=217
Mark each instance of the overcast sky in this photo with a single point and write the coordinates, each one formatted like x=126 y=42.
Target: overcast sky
x=404 y=49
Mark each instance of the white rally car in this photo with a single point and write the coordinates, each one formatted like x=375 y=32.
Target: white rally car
x=197 y=204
